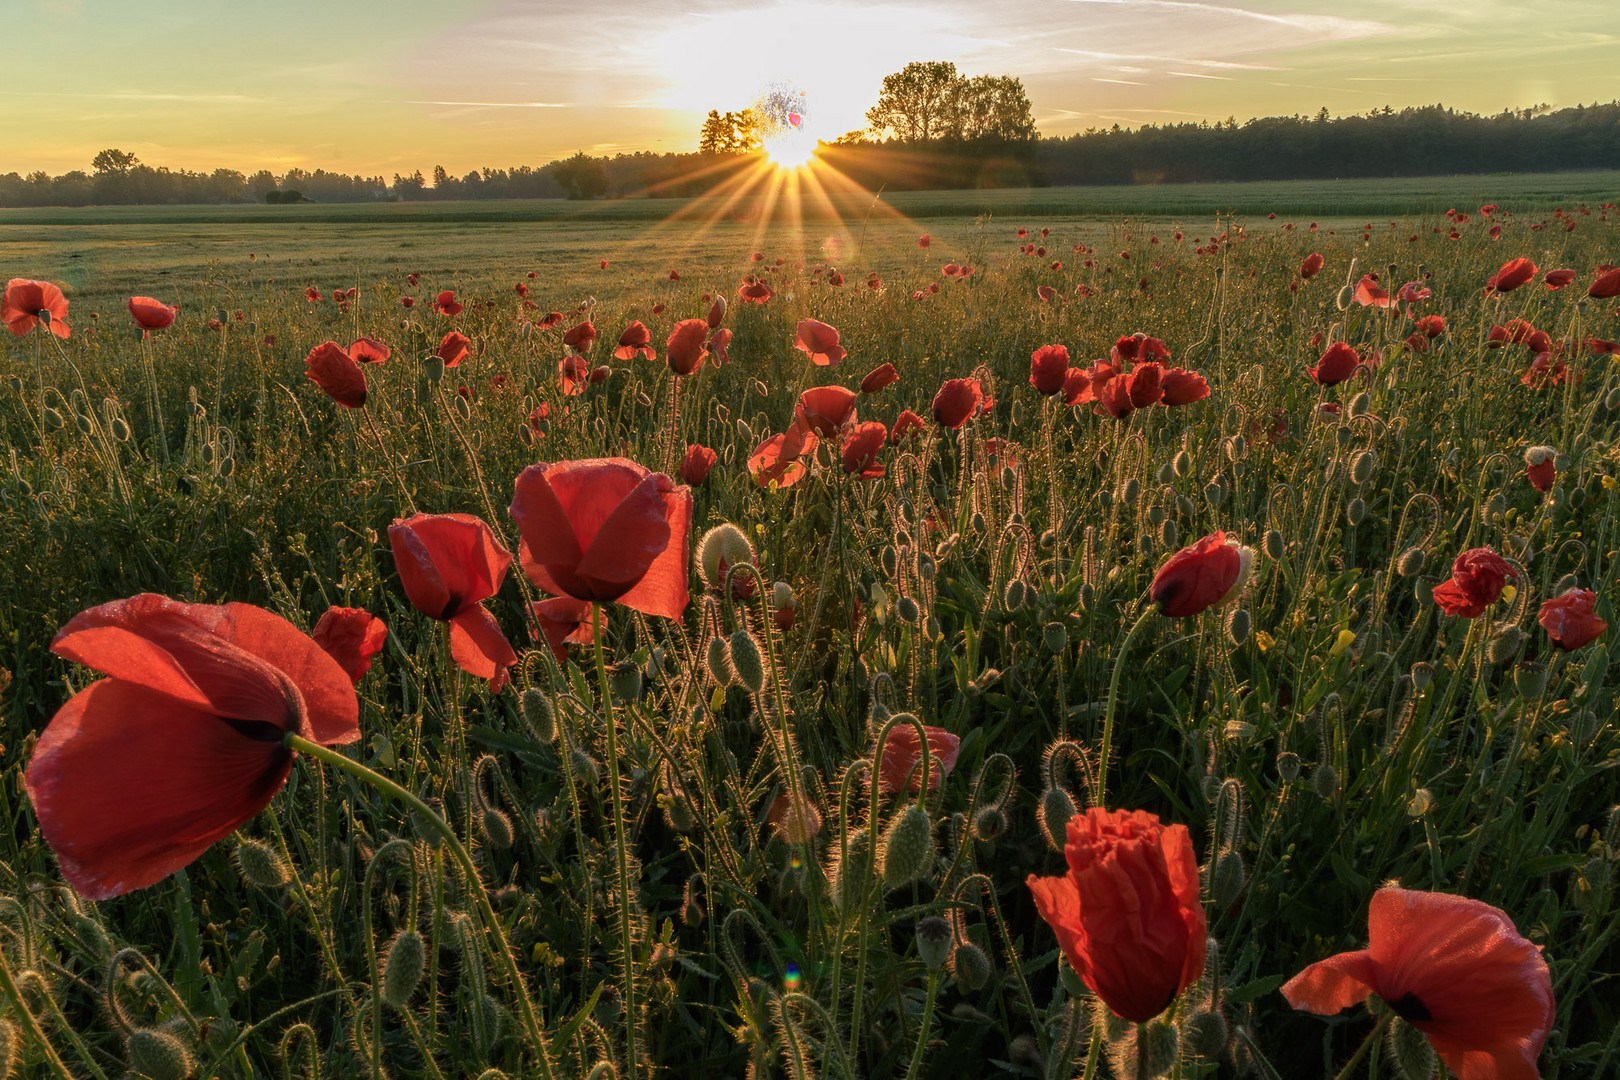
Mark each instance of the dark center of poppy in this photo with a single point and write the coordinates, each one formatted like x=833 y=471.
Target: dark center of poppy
x=452 y=607
x=1410 y=1007
x=257 y=730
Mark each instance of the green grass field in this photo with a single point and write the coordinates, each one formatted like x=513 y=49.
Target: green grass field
x=614 y=887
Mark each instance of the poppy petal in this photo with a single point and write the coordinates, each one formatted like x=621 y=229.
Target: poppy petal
x=630 y=537
x=477 y=644
x=662 y=591
x=1330 y=985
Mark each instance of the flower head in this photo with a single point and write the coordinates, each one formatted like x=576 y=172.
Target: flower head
x=1194 y=579
x=27 y=303
x=328 y=366
x=351 y=636
x=819 y=341
x=1477 y=578
x=1571 y=620
x=449 y=564
x=150 y=314
x=687 y=346
x=1049 y=368
x=899 y=763
x=957 y=402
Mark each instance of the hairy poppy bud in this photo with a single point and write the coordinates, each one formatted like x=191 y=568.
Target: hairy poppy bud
x=1422 y=674
x=1182 y=463
x=1205 y=1033
x=847 y=877
x=989 y=823
x=1012 y=597
x=15 y=383
x=724 y=543
x=1130 y=491
x=539 y=714
x=1274 y=544
x=53 y=419
x=625 y=678
x=1421 y=802
x=970 y=966
x=496 y=828
x=889 y=559
x=1325 y=782
x=159 y=1055
x=1410 y=1049
x=119 y=429
x=261 y=866
x=717 y=658
x=691 y=910
x=1355 y=511
x=1167 y=472
x=586 y=770
x=907 y=609
x=1237 y=626
x=746 y=662
x=1053 y=815
x=1410 y=563
x=1362 y=466
x=402 y=968
x=1169 y=535
x=907 y=848
x=934 y=941
x=1504 y=645
x=1227 y=879
x=1288 y=766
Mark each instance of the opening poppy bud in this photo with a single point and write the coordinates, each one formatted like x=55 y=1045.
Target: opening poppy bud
x=1355 y=511
x=1238 y=625
x=1421 y=802
x=402 y=969
x=970 y=966
x=746 y=663
x=934 y=941
x=1053 y=816
x=496 y=828
x=1325 y=782
x=1410 y=562
x=1012 y=598
x=989 y=823
x=539 y=715
x=261 y=866
x=908 y=611
x=1055 y=636
x=725 y=542
x=1505 y=645
x=625 y=678
x=1410 y=1049
x=907 y=847
x=1288 y=766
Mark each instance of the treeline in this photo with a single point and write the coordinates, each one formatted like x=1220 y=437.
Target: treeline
x=1426 y=141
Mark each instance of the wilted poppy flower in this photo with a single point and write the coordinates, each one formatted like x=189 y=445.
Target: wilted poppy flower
x=329 y=367
x=1045 y=292
x=957 y=402
x=754 y=292
x=26 y=303
x=449 y=564
x=1454 y=968
x=825 y=410
x=1558 y=279
x=719 y=346
x=1143 y=384
x=605 y=530
x=369 y=350
x=1311 y=266
x=900 y=763
x=152 y=314
x=445 y=303
x=635 y=339
x=686 y=346
x=1606 y=286
x=453 y=348
x=776 y=460
x=351 y=636
x=1368 y=293
x=861 y=445
x=1540 y=468
x=1127 y=912
x=1514 y=272
x=1337 y=364
x=1600 y=347
x=879 y=377
x=696 y=464
x=904 y=424
x=1182 y=387
x=579 y=337
x=1134 y=347
x=1048 y=368
x=819 y=341
x=717 y=312
x=564 y=621
x=141 y=772
x=1477 y=578
x=1571 y=620
x=1211 y=572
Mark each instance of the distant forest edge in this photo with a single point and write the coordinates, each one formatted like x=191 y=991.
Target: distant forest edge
x=1427 y=141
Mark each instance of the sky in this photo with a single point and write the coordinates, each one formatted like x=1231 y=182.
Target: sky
x=377 y=88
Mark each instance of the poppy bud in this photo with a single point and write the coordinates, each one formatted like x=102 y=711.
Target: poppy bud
x=53 y=419
x=1053 y=816
x=1288 y=766
x=1362 y=466
x=1227 y=879
x=1424 y=592
x=1012 y=598
x=1274 y=544
x=1214 y=492
x=158 y=1054
x=970 y=966
x=1237 y=626
x=539 y=715
x=261 y=866
x=717 y=659
x=908 y=611
x=1325 y=782
x=1505 y=645
x=1167 y=472
x=1182 y=463
x=1611 y=400
x=989 y=823
x=1410 y=562
x=1422 y=674
x=119 y=429
x=1168 y=533
x=1009 y=478
x=496 y=828
x=402 y=968
x=677 y=809
x=82 y=422
x=1155 y=516
x=1421 y=802
x=1410 y=1049
x=746 y=662
x=586 y=770
x=934 y=941
x=15 y=383
x=691 y=910
x=1355 y=511
x=907 y=847
x=1130 y=491
x=1205 y=1033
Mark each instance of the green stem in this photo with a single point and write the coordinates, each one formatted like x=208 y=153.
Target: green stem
x=620 y=848
x=475 y=884
x=1101 y=800
x=29 y=1024
x=1366 y=1045
x=927 y=1022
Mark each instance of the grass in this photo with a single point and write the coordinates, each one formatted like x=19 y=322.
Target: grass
x=1330 y=731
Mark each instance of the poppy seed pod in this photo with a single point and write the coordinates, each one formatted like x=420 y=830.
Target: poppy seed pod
x=402 y=969
x=625 y=678
x=159 y=1055
x=907 y=847
x=1288 y=766
x=1214 y=492
x=934 y=941
x=1055 y=636
x=261 y=866
x=1530 y=679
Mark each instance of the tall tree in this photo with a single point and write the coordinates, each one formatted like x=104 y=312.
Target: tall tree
x=917 y=102
x=712 y=136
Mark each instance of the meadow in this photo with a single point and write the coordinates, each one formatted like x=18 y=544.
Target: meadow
x=704 y=837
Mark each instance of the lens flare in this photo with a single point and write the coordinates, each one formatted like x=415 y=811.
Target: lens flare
x=790 y=978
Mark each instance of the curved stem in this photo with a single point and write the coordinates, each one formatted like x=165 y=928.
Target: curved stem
x=475 y=884
x=1366 y=1045
x=29 y=1023
x=1100 y=800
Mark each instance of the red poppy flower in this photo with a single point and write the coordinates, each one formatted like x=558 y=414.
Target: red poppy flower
x=1115 y=398
x=564 y=621
x=754 y=292
x=1049 y=368
x=574 y=372
x=1368 y=293
x=1127 y=912
x=957 y=402
x=1199 y=577
x=1454 y=968
x=696 y=464
x=1045 y=292
x=1605 y=286
x=449 y=564
x=605 y=530
x=1545 y=371
x=445 y=303
x=1143 y=383
x=1431 y=326
x=1084 y=385
x=141 y=772
x=879 y=377
x=1337 y=364
x=370 y=350
x=453 y=348
x=825 y=410
x=351 y=636
x=776 y=460
x=329 y=367
x=1311 y=266
x=1571 y=619
x=717 y=312
x=719 y=346
x=1600 y=347
x=635 y=339
x=27 y=303
x=950 y=269
x=522 y=289
x=579 y=337
x=1540 y=467
x=412 y=279
x=407 y=301
x=1558 y=279
x=900 y=763
x=923 y=241
x=904 y=424
x=312 y=294
x=861 y=445
x=1477 y=578
x=1182 y=387
x=152 y=314
x=1134 y=347
x=1514 y=272
x=686 y=346
x=835 y=278
x=674 y=275
x=1413 y=292
x=819 y=341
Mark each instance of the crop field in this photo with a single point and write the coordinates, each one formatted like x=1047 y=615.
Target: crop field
x=1073 y=633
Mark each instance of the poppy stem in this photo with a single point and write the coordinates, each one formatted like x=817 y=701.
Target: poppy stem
x=1101 y=800
x=425 y=814
x=1366 y=1044
x=922 y=1031
x=28 y=1023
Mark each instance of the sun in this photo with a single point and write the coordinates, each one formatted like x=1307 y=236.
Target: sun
x=790 y=150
